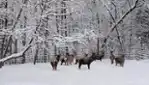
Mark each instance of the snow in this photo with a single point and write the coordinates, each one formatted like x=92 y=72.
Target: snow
x=101 y=73
x=81 y=38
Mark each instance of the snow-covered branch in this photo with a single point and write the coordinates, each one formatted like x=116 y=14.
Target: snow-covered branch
x=17 y=55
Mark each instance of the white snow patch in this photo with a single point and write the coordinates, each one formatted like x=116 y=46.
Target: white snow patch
x=101 y=73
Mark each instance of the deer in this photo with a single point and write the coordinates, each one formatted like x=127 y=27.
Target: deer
x=86 y=61
x=112 y=57
x=54 y=61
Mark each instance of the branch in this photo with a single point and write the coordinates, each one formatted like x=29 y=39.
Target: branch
x=120 y=20
x=19 y=15
x=114 y=20
x=16 y=55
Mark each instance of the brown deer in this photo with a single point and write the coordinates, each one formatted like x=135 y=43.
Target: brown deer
x=54 y=61
x=120 y=60
x=86 y=61
x=64 y=60
x=77 y=58
x=101 y=55
x=112 y=57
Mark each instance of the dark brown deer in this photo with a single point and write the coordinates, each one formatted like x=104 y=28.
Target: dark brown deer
x=100 y=56
x=112 y=57
x=77 y=58
x=54 y=61
x=120 y=60
x=68 y=60
x=58 y=57
x=86 y=61
x=64 y=60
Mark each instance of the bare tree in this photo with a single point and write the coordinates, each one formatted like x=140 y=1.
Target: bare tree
x=121 y=19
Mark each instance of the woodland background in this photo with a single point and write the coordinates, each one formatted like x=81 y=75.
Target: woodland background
x=49 y=27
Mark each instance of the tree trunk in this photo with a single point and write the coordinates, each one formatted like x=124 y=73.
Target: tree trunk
x=98 y=46
x=7 y=46
x=55 y=50
x=6 y=20
x=114 y=20
x=1 y=64
x=24 y=39
x=15 y=48
x=2 y=46
x=45 y=57
x=24 y=43
x=36 y=54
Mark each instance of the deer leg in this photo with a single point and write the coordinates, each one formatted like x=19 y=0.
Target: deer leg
x=76 y=61
x=56 y=65
x=52 y=65
x=116 y=63
x=62 y=61
x=79 y=66
x=122 y=64
x=88 y=66
x=112 y=61
x=66 y=63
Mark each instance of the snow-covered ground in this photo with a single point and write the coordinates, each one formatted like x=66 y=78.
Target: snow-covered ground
x=101 y=73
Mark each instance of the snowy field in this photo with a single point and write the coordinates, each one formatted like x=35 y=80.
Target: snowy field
x=101 y=73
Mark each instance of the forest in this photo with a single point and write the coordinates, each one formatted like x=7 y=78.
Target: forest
x=74 y=42
x=34 y=30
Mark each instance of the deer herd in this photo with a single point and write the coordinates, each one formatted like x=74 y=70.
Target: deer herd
x=85 y=60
